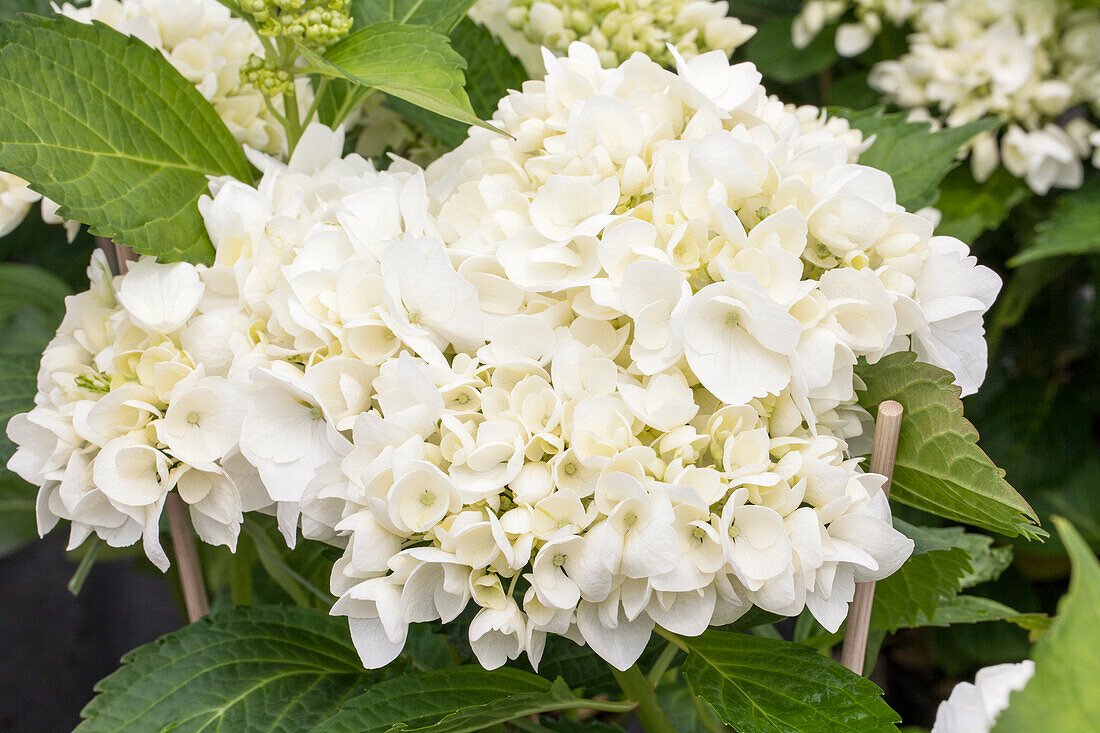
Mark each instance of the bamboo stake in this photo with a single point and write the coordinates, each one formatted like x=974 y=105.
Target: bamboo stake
x=183 y=541
x=187 y=556
x=883 y=455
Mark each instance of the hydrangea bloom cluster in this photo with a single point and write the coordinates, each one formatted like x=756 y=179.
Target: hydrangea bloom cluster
x=675 y=280
x=132 y=403
x=615 y=28
x=1029 y=62
x=974 y=707
x=208 y=47
x=583 y=380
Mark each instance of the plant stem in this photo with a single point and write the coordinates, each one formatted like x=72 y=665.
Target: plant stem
x=187 y=559
x=85 y=566
x=293 y=123
x=316 y=104
x=649 y=713
x=662 y=664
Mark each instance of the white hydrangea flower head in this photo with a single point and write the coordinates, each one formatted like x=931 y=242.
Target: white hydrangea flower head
x=585 y=379
x=676 y=275
x=126 y=413
x=974 y=707
x=208 y=47
x=616 y=29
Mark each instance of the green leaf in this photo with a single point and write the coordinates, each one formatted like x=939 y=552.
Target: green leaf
x=770 y=686
x=413 y=63
x=17 y=513
x=10 y=8
x=912 y=594
x=1063 y=695
x=32 y=303
x=940 y=469
x=774 y=54
x=970 y=208
x=439 y=15
x=914 y=156
x=27 y=285
x=924 y=591
x=265 y=668
x=423 y=699
x=482 y=717
x=491 y=72
x=121 y=140
x=1073 y=228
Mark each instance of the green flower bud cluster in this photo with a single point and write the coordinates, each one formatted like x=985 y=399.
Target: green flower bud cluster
x=316 y=23
x=266 y=76
x=617 y=28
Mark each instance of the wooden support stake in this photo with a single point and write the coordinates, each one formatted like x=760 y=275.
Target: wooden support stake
x=187 y=558
x=179 y=525
x=883 y=455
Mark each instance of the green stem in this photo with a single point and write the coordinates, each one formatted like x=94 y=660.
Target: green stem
x=316 y=104
x=240 y=579
x=649 y=713
x=293 y=123
x=85 y=566
x=662 y=664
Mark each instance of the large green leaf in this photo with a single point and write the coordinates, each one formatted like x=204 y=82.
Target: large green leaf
x=914 y=156
x=771 y=686
x=491 y=72
x=440 y=15
x=774 y=54
x=940 y=468
x=487 y=715
x=970 y=208
x=262 y=669
x=410 y=62
x=10 y=8
x=423 y=699
x=1072 y=229
x=1063 y=695
x=102 y=124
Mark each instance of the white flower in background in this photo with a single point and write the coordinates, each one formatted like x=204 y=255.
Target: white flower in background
x=1028 y=62
x=615 y=29
x=974 y=707
x=208 y=47
x=856 y=35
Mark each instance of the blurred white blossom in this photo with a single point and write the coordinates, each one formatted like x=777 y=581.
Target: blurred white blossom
x=974 y=707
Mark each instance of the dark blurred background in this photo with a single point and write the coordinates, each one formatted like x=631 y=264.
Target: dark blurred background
x=57 y=646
